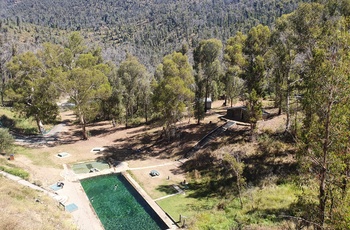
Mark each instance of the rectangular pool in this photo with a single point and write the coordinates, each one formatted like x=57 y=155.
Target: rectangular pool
x=119 y=205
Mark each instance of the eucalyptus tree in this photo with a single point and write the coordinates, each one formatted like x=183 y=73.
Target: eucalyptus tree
x=173 y=95
x=235 y=62
x=255 y=52
x=87 y=84
x=199 y=94
x=327 y=97
x=284 y=66
x=306 y=23
x=235 y=168
x=325 y=136
x=207 y=55
x=31 y=89
x=136 y=86
x=84 y=80
x=113 y=107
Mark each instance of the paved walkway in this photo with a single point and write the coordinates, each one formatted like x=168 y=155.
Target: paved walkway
x=85 y=217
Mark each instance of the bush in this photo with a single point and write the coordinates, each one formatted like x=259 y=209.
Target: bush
x=135 y=121
x=6 y=140
x=270 y=146
x=15 y=171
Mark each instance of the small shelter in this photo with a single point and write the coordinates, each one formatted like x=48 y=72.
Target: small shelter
x=208 y=103
x=240 y=113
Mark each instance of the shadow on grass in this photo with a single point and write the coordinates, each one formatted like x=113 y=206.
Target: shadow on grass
x=11 y=125
x=167 y=189
x=212 y=188
x=261 y=168
x=302 y=214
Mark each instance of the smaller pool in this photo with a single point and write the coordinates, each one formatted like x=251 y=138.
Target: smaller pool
x=119 y=205
x=87 y=166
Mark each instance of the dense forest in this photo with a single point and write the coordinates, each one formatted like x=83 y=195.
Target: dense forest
x=147 y=29
x=298 y=60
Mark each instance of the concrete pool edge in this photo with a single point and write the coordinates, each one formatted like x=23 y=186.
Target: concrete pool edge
x=158 y=210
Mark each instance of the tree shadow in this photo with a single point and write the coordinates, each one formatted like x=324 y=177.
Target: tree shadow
x=301 y=219
x=103 y=131
x=272 y=160
x=167 y=189
x=70 y=137
x=6 y=122
x=177 y=171
x=261 y=167
x=119 y=155
x=156 y=144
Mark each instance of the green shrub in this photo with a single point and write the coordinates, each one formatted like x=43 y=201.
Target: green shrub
x=270 y=146
x=15 y=171
x=135 y=121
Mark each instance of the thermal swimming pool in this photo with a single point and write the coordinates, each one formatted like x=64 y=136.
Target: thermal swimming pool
x=118 y=205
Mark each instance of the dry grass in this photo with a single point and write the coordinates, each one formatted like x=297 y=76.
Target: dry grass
x=23 y=208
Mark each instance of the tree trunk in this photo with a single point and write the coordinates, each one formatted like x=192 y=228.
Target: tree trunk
x=199 y=112
x=206 y=95
x=38 y=123
x=288 y=110
x=85 y=136
x=280 y=103
x=83 y=126
x=323 y=172
x=279 y=95
x=2 y=89
x=126 y=118
x=322 y=199
x=239 y=189
x=146 y=110
x=252 y=131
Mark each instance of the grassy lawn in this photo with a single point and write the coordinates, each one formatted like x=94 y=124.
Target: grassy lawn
x=165 y=188
x=10 y=119
x=262 y=207
x=37 y=158
x=185 y=205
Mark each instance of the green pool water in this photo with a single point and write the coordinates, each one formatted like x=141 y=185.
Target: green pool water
x=119 y=205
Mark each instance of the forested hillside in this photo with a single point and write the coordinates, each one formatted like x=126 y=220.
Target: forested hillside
x=147 y=29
